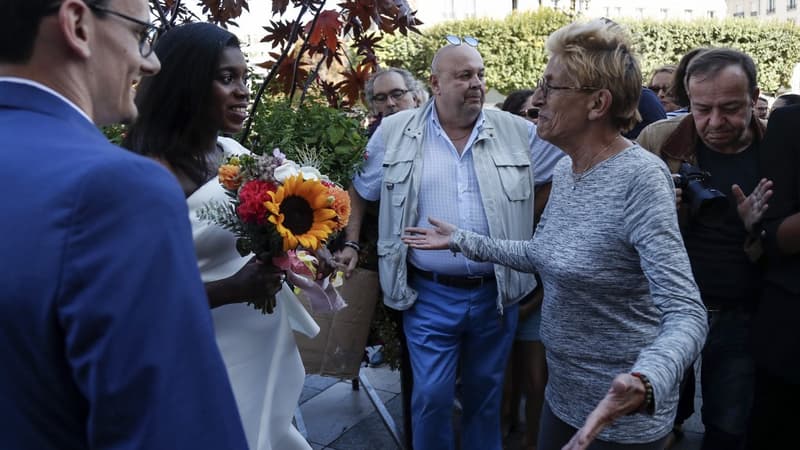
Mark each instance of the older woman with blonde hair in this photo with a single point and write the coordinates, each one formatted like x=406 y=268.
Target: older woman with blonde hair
x=622 y=317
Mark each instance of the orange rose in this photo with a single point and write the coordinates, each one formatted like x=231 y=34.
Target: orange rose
x=229 y=176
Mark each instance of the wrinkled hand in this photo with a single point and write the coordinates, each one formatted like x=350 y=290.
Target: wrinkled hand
x=627 y=393
x=348 y=258
x=436 y=238
x=327 y=263
x=752 y=208
x=259 y=282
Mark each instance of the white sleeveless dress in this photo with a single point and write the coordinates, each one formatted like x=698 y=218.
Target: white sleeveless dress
x=259 y=350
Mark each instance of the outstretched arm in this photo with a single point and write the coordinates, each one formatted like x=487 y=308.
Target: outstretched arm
x=436 y=238
x=443 y=235
x=626 y=395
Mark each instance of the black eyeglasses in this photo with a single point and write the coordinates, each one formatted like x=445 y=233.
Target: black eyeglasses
x=395 y=94
x=547 y=87
x=531 y=113
x=148 y=36
x=455 y=40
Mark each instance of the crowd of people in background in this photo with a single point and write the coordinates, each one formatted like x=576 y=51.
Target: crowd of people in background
x=582 y=246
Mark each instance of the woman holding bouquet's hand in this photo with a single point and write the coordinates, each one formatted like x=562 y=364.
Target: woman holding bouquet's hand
x=201 y=92
x=622 y=316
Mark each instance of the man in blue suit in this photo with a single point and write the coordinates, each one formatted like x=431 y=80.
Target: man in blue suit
x=105 y=333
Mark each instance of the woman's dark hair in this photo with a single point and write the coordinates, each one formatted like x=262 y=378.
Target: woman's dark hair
x=175 y=117
x=678 y=90
x=513 y=103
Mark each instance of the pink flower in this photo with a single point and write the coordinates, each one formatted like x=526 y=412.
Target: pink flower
x=290 y=261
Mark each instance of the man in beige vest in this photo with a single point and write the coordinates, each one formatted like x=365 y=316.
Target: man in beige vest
x=450 y=158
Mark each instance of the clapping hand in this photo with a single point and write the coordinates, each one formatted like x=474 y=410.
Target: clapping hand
x=627 y=393
x=436 y=238
x=752 y=207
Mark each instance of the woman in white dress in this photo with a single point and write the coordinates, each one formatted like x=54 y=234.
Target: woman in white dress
x=201 y=91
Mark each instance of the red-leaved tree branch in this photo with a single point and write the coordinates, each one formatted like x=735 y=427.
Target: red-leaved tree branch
x=343 y=40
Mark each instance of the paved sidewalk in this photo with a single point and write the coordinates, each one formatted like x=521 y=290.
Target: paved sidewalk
x=338 y=418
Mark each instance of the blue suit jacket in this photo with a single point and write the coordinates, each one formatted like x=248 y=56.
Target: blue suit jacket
x=106 y=338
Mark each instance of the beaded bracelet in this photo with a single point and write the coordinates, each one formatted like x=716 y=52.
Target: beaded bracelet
x=354 y=245
x=648 y=407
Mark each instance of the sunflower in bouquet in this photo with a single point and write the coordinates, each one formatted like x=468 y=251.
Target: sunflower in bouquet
x=283 y=212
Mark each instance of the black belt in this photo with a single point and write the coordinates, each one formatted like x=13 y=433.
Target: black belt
x=462 y=282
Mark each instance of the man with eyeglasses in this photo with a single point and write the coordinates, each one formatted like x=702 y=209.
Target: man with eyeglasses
x=451 y=158
x=107 y=337
x=393 y=89
x=388 y=91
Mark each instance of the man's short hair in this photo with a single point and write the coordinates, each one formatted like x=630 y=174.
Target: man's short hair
x=711 y=62
x=21 y=19
x=412 y=84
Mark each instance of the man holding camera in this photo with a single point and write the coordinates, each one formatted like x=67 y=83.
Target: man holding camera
x=720 y=141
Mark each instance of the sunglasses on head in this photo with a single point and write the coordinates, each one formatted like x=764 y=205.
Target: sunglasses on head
x=455 y=40
x=531 y=113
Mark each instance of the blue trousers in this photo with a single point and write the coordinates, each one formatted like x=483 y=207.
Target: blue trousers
x=445 y=328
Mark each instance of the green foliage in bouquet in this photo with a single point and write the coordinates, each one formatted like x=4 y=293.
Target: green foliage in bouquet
x=330 y=139
x=115 y=133
x=251 y=238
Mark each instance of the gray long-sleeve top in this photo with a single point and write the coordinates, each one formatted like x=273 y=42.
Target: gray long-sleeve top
x=619 y=295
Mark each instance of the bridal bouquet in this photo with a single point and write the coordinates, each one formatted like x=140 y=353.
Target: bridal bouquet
x=283 y=212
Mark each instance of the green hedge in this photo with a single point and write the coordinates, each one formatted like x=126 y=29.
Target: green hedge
x=513 y=48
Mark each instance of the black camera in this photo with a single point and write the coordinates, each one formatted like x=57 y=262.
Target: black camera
x=706 y=204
